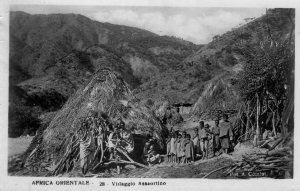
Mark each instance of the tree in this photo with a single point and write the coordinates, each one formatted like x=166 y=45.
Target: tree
x=266 y=75
x=216 y=37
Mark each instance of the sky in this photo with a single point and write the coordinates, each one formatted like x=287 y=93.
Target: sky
x=195 y=24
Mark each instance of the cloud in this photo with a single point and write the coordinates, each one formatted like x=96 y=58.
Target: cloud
x=197 y=25
x=198 y=28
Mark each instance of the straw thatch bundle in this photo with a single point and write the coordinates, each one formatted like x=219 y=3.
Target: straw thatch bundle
x=106 y=92
x=219 y=94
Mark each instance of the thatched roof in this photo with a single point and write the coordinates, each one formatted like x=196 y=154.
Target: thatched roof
x=106 y=92
x=218 y=94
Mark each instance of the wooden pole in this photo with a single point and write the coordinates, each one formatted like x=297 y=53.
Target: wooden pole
x=216 y=171
x=257 y=118
x=132 y=161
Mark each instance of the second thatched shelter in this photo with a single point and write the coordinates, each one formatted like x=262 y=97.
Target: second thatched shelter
x=218 y=95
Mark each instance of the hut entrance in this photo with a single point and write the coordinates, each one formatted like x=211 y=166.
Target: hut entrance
x=139 y=141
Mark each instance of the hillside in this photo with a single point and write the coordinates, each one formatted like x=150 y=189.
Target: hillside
x=37 y=42
x=51 y=56
x=224 y=48
x=150 y=56
x=44 y=39
x=179 y=85
x=187 y=82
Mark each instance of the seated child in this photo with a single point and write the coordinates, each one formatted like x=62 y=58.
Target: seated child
x=153 y=156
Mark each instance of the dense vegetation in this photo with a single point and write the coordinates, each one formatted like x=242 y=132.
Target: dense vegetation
x=266 y=84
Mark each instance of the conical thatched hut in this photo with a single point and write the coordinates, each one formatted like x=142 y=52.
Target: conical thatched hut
x=219 y=94
x=106 y=92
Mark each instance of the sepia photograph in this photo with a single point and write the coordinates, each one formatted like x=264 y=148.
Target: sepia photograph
x=150 y=92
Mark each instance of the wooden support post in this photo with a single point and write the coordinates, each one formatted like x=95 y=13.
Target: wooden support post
x=132 y=161
x=257 y=117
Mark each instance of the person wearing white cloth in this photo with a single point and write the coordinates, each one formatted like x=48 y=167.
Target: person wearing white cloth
x=87 y=148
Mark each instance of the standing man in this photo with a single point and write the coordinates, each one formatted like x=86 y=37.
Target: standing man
x=226 y=133
x=204 y=135
x=215 y=132
x=196 y=142
x=86 y=147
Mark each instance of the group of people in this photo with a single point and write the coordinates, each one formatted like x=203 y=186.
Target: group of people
x=182 y=148
x=100 y=138
x=120 y=137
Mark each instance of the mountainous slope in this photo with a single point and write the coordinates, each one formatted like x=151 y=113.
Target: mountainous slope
x=224 y=48
x=179 y=85
x=48 y=38
x=221 y=56
x=150 y=56
x=39 y=41
x=52 y=89
x=51 y=56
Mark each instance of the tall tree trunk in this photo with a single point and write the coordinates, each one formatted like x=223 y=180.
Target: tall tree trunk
x=257 y=138
x=243 y=127
x=247 y=127
x=257 y=115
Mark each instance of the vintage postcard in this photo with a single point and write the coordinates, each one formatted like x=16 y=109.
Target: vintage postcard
x=160 y=95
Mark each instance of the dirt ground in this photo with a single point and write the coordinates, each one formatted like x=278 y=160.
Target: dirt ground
x=196 y=169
